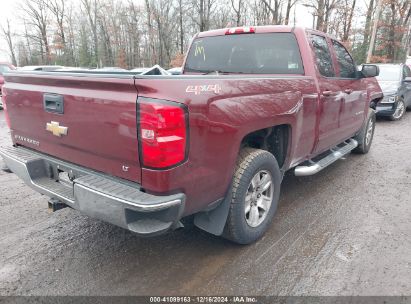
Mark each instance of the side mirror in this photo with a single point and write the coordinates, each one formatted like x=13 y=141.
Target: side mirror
x=370 y=70
x=407 y=79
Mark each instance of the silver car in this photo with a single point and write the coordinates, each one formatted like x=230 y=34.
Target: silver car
x=395 y=82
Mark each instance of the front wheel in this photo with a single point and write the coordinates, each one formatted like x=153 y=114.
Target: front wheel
x=366 y=134
x=255 y=195
x=399 y=110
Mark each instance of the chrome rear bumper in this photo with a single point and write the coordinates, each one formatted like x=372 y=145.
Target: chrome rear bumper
x=97 y=195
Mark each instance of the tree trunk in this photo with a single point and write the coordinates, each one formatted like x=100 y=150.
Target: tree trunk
x=8 y=36
x=180 y=8
x=367 y=29
x=92 y=17
x=287 y=13
x=391 y=35
x=347 y=29
x=320 y=15
x=374 y=31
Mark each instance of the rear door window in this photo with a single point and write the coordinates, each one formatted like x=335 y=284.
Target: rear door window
x=271 y=53
x=345 y=61
x=323 y=56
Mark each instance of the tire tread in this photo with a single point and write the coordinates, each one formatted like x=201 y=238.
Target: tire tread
x=245 y=159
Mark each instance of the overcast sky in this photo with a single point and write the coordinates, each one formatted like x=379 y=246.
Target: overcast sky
x=9 y=9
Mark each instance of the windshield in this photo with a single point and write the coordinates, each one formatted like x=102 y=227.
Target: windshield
x=4 y=68
x=273 y=53
x=389 y=73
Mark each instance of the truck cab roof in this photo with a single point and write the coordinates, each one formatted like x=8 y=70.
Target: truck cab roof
x=255 y=29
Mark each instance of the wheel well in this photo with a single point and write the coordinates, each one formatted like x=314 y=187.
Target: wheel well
x=274 y=139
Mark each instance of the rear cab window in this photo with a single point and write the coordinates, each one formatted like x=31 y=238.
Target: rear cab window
x=265 y=53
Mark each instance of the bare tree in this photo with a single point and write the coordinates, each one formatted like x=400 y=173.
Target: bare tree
x=7 y=34
x=91 y=7
x=238 y=7
x=203 y=10
x=150 y=33
x=38 y=16
x=132 y=33
x=57 y=8
x=181 y=24
x=322 y=10
x=367 y=28
x=134 y=13
x=341 y=23
x=274 y=8
x=290 y=5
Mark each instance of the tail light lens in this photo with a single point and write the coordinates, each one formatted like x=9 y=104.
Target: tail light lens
x=3 y=99
x=162 y=133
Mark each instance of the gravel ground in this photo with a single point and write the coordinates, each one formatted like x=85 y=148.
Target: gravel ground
x=344 y=231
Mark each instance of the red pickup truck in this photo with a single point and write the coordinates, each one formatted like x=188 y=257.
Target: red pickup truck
x=143 y=152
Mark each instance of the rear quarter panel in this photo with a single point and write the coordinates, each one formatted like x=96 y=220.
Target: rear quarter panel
x=219 y=120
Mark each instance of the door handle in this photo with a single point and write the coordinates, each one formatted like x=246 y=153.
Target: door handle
x=348 y=91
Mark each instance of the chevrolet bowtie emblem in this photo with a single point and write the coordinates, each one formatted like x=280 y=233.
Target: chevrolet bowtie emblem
x=55 y=128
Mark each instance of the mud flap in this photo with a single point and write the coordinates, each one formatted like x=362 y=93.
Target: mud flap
x=213 y=221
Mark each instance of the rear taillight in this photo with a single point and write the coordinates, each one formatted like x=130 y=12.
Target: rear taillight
x=3 y=99
x=162 y=133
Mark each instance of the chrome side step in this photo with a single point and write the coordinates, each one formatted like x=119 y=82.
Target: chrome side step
x=336 y=154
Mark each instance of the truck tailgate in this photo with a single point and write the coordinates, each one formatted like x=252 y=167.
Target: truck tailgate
x=89 y=120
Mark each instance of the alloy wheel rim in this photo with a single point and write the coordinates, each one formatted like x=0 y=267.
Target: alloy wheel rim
x=258 y=198
x=399 y=111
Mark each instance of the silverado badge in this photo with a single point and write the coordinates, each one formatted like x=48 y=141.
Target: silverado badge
x=55 y=128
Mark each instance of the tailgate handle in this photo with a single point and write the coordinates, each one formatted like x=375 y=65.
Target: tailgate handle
x=53 y=103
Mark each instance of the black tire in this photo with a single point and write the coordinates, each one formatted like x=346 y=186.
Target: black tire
x=251 y=163
x=364 y=144
x=395 y=116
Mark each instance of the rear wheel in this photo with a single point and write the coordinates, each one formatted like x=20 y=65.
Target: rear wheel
x=255 y=195
x=366 y=134
x=399 y=110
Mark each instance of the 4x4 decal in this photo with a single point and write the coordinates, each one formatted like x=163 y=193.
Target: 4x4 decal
x=198 y=89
